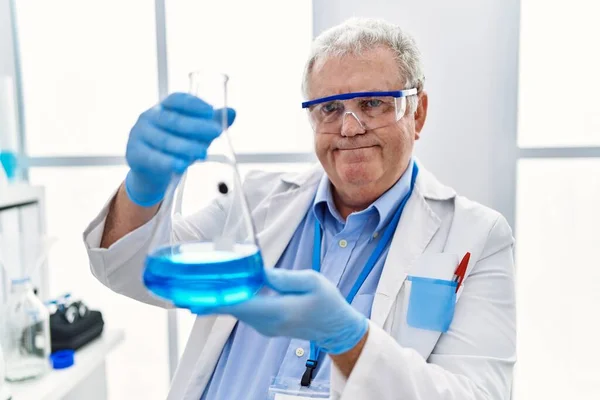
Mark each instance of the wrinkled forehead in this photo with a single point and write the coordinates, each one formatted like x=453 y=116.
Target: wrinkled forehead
x=373 y=70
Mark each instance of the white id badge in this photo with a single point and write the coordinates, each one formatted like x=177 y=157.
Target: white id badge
x=290 y=389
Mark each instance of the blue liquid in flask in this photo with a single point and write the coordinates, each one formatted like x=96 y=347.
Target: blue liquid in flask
x=198 y=277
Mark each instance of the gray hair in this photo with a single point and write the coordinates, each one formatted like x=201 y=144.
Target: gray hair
x=357 y=35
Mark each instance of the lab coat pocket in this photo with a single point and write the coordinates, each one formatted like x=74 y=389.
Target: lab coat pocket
x=431 y=303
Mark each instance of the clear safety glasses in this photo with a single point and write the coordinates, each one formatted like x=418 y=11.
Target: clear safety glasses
x=372 y=110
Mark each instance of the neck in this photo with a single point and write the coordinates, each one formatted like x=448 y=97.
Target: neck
x=354 y=199
x=346 y=205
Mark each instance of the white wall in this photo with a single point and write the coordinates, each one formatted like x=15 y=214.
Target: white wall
x=470 y=56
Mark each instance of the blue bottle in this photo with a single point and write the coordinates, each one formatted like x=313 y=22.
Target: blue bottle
x=8 y=159
x=8 y=127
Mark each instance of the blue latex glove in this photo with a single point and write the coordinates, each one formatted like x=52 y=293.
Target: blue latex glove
x=306 y=306
x=165 y=140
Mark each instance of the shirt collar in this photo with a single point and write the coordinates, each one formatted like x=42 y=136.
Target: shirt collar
x=385 y=205
x=324 y=202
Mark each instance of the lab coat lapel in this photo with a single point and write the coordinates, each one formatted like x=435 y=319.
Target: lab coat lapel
x=201 y=352
x=284 y=212
x=416 y=227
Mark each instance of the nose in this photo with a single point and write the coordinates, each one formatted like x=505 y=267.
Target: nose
x=351 y=125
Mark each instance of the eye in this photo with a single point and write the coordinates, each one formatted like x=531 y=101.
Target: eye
x=372 y=103
x=331 y=107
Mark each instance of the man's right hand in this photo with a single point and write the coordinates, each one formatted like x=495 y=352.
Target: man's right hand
x=165 y=141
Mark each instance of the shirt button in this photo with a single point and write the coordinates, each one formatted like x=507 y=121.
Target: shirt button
x=343 y=243
x=375 y=235
x=299 y=351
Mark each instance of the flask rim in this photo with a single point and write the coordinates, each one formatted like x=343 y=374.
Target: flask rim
x=20 y=281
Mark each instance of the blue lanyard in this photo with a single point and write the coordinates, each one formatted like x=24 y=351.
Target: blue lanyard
x=386 y=238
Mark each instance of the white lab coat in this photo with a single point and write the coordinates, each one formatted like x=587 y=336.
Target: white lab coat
x=473 y=360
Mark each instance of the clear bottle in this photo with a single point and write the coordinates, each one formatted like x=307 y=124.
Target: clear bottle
x=214 y=258
x=27 y=337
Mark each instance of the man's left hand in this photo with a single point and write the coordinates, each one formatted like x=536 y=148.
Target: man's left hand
x=305 y=306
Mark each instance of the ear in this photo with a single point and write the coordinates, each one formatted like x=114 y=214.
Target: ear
x=420 y=114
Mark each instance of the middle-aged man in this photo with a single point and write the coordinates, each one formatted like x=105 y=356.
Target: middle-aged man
x=382 y=316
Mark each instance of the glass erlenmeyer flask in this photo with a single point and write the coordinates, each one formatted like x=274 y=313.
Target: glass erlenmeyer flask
x=204 y=252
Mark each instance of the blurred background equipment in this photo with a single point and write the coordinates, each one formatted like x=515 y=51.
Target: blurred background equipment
x=26 y=342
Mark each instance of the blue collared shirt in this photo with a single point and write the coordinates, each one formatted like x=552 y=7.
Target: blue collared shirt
x=249 y=361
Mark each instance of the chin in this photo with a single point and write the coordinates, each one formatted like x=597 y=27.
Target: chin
x=359 y=174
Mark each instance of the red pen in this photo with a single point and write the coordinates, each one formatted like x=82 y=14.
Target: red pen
x=461 y=270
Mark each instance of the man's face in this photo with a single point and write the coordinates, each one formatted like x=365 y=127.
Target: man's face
x=362 y=162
